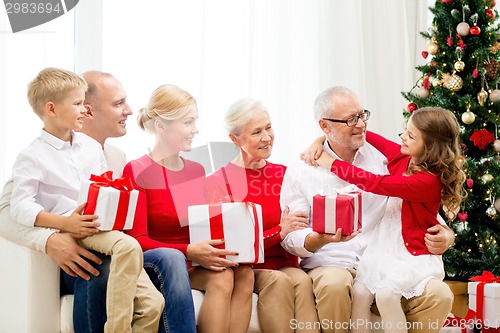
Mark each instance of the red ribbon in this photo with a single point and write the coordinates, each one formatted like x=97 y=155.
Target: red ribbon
x=124 y=185
x=483 y=279
x=216 y=224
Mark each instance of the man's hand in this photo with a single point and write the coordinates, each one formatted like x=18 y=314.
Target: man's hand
x=439 y=238
x=292 y=221
x=71 y=257
x=315 y=241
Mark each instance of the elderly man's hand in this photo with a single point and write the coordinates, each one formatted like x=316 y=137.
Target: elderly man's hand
x=315 y=241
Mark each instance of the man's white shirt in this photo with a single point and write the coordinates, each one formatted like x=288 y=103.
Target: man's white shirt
x=302 y=181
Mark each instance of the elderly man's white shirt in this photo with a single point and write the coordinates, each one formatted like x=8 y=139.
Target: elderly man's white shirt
x=302 y=182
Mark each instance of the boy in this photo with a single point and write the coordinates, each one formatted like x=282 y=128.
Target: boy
x=47 y=176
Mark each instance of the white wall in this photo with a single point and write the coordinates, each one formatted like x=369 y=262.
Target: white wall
x=283 y=52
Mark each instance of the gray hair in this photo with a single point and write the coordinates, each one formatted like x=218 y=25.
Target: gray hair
x=240 y=113
x=324 y=102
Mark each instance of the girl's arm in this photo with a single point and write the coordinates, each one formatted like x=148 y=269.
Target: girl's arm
x=422 y=186
x=388 y=148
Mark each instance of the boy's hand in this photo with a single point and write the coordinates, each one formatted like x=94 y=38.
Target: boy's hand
x=81 y=226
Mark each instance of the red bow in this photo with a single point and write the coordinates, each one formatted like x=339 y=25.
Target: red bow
x=486 y=277
x=106 y=179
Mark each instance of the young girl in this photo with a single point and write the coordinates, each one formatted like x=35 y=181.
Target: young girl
x=425 y=172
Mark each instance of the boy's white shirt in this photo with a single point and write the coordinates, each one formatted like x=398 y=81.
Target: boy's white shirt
x=48 y=174
x=36 y=237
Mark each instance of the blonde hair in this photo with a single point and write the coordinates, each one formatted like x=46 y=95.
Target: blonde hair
x=442 y=155
x=168 y=102
x=240 y=113
x=52 y=85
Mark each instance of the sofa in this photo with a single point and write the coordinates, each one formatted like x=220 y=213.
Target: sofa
x=31 y=302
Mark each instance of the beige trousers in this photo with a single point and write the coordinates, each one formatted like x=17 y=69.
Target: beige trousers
x=333 y=290
x=286 y=300
x=133 y=304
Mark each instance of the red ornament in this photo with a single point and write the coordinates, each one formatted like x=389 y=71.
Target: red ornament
x=470 y=183
x=475 y=73
x=493 y=3
x=482 y=138
x=475 y=30
x=461 y=42
x=449 y=41
x=447 y=1
x=425 y=54
x=462 y=217
x=427 y=84
x=411 y=107
x=490 y=13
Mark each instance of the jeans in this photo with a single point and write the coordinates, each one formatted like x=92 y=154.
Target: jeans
x=167 y=269
x=89 y=306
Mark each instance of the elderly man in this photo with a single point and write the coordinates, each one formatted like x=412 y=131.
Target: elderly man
x=331 y=265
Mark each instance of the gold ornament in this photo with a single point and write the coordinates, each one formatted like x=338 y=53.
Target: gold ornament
x=481 y=96
x=491 y=211
x=495 y=48
x=487 y=177
x=433 y=47
x=453 y=82
x=420 y=82
x=459 y=66
x=437 y=82
x=468 y=117
x=496 y=145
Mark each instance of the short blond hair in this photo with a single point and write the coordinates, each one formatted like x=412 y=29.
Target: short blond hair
x=52 y=85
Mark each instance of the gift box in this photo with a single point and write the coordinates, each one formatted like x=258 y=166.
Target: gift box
x=484 y=299
x=455 y=329
x=113 y=200
x=238 y=223
x=340 y=210
x=455 y=324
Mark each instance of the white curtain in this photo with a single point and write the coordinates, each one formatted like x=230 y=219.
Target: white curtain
x=22 y=56
x=283 y=52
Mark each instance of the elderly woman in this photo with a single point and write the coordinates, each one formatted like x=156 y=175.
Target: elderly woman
x=167 y=185
x=286 y=300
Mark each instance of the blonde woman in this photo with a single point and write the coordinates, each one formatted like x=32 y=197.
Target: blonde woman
x=168 y=184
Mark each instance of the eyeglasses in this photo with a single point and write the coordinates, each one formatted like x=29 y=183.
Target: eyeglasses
x=352 y=121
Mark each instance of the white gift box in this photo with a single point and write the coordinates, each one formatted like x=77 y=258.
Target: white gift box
x=451 y=329
x=115 y=208
x=491 y=301
x=238 y=223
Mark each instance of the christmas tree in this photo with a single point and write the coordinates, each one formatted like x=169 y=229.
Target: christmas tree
x=461 y=74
